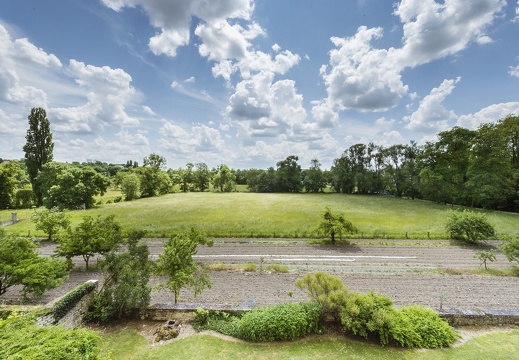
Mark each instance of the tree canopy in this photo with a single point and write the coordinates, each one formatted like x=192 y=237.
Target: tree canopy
x=176 y=262
x=90 y=237
x=20 y=264
x=38 y=147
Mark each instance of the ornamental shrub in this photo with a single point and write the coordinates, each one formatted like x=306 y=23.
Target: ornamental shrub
x=469 y=226
x=22 y=339
x=288 y=321
x=366 y=313
x=434 y=332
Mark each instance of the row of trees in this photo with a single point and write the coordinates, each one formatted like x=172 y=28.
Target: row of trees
x=478 y=168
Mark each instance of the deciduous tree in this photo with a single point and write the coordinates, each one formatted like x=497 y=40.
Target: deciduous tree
x=92 y=236
x=8 y=184
x=224 y=179
x=176 y=262
x=20 y=264
x=125 y=285
x=313 y=177
x=130 y=186
x=289 y=175
x=50 y=222
x=335 y=225
x=38 y=147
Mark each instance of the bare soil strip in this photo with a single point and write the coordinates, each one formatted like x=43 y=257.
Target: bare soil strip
x=402 y=271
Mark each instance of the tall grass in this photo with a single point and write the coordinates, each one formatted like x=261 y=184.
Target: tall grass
x=279 y=215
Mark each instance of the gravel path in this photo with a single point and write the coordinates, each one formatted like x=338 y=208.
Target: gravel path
x=402 y=270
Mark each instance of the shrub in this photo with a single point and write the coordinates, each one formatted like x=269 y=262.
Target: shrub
x=373 y=314
x=277 y=268
x=469 y=226
x=21 y=338
x=201 y=316
x=288 y=321
x=433 y=331
x=326 y=290
x=366 y=313
x=249 y=267
x=511 y=249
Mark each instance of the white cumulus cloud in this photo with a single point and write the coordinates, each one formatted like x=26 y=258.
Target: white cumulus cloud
x=431 y=115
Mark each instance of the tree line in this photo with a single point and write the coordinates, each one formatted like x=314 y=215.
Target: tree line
x=477 y=168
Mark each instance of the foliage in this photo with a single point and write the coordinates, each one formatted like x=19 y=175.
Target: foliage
x=201 y=177
x=25 y=199
x=92 y=236
x=70 y=186
x=201 y=316
x=38 y=147
x=366 y=313
x=50 y=222
x=485 y=256
x=327 y=290
x=288 y=321
x=8 y=184
x=372 y=314
x=277 y=268
x=153 y=179
x=125 y=285
x=176 y=262
x=332 y=225
x=224 y=179
x=511 y=249
x=21 y=338
x=313 y=178
x=130 y=186
x=423 y=328
x=69 y=300
x=469 y=226
x=289 y=175
x=20 y=264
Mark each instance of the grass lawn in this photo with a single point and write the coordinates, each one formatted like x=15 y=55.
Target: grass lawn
x=277 y=215
x=129 y=344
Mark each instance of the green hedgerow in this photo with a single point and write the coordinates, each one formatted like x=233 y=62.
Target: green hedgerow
x=288 y=321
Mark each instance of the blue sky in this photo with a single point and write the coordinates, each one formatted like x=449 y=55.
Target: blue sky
x=247 y=83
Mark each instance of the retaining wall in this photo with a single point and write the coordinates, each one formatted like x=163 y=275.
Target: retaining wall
x=74 y=317
x=455 y=317
x=487 y=317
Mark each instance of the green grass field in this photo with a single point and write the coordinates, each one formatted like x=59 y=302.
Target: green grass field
x=130 y=345
x=275 y=215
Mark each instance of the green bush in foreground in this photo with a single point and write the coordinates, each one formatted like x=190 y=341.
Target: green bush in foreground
x=21 y=338
x=371 y=314
x=286 y=321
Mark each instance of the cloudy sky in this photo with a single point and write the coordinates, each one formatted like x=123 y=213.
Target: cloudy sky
x=249 y=82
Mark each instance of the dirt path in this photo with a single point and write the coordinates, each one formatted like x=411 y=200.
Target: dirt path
x=402 y=270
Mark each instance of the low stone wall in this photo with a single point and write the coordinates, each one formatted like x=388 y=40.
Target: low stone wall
x=488 y=317
x=455 y=317
x=74 y=316
x=185 y=312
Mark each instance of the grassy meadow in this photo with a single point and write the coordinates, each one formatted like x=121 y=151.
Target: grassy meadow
x=242 y=214
x=129 y=344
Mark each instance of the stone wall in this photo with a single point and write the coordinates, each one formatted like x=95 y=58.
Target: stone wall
x=458 y=317
x=74 y=317
x=185 y=312
x=455 y=317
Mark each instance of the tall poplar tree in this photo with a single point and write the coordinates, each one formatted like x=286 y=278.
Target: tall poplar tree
x=38 y=148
